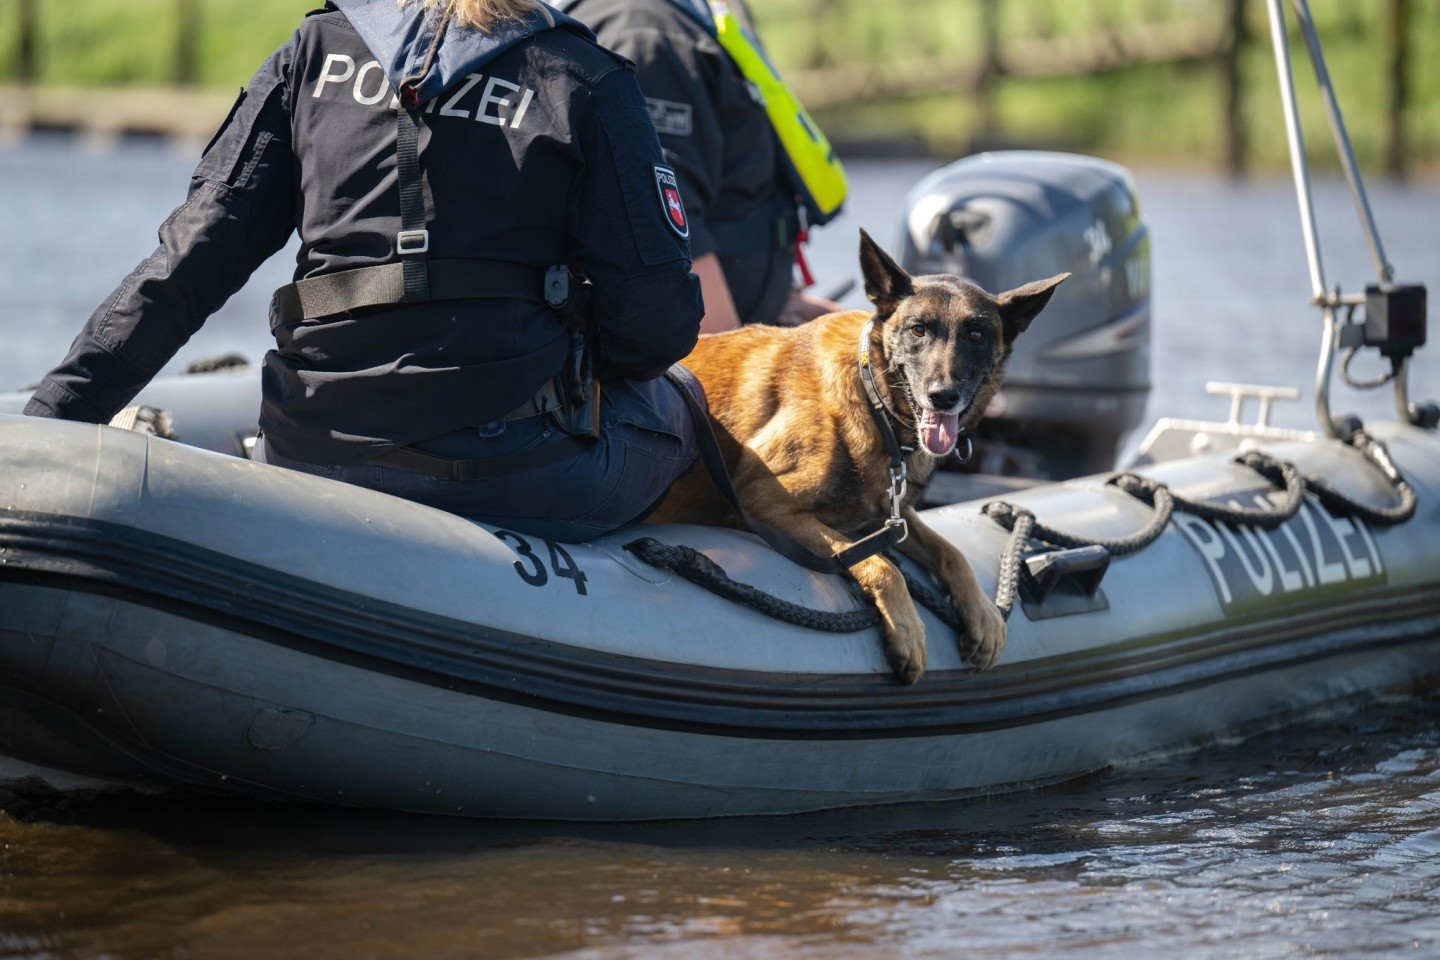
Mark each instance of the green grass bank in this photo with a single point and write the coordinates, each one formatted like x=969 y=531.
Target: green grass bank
x=1167 y=112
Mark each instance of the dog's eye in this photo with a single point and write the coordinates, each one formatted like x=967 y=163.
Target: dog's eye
x=918 y=329
x=975 y=334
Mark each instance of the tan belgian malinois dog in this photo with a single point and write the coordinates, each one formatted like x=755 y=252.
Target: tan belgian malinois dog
x=791 y=415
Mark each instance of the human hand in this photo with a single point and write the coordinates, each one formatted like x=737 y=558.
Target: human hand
x=803 y=307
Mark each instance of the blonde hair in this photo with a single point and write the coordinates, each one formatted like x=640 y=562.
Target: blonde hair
x=482 y=15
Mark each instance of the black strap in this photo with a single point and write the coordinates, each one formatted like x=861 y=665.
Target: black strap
x=875 y=401
x=413 y=241
x=781 y=543
x=408 y=458
x=380 y=285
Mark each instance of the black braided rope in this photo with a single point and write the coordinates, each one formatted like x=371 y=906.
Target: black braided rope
x=1024 y=527
x=1154 y=494
x=1022 y=524
x=699 y=569
x=938 y=604
x=1378 y=454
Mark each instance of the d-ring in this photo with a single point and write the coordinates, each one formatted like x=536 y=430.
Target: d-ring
x=969 y=450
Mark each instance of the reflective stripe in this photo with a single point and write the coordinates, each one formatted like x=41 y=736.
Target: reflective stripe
x=817 y=174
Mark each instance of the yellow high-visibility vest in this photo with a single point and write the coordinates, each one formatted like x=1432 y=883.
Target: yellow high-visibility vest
x=817 y=176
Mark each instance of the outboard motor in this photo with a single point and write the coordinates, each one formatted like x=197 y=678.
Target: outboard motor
x=1080 y=376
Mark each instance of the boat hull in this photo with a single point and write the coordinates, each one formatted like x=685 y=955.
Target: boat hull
x=173 y=616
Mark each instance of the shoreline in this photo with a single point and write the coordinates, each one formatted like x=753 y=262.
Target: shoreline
x=189 y=117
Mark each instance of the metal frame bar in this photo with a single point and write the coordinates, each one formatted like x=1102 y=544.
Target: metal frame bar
x=1342 y=142
x=1299 y=167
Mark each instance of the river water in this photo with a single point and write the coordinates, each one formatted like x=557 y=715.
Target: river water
x=1321 y=841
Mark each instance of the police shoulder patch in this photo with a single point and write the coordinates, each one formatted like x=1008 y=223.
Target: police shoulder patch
x=669 y=190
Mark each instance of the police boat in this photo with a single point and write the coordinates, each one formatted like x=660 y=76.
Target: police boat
x=173 y=617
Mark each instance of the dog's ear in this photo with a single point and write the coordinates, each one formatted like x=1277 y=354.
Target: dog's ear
x=1019 y=306
x=886 y=284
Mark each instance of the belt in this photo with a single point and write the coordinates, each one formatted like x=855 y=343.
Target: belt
x=547 y=398
x=556 y=451
x=384 y=285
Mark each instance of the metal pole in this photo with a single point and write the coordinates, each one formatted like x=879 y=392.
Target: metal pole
x=1298 y=167
x=1342 y=141
x=1301 y=173
x=1402 y=393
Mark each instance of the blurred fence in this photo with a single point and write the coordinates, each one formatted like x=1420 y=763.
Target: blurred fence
x=182 y=24
x=1016 y=40
x=839 y=54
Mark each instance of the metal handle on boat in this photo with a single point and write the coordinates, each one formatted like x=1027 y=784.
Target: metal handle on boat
x=1083 y=567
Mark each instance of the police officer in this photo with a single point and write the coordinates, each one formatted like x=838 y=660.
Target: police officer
x=744 y=219
x=493 y=269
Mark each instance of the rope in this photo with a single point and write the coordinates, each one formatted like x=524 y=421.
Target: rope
x=1377 y=453
x=151 y=421
x=938 y=604
x=225 y=361
x=1025 y=527
x=1022 y=525
x=699 y=569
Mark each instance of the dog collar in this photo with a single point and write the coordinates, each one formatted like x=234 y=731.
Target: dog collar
x=880 y=411
x=895 y=528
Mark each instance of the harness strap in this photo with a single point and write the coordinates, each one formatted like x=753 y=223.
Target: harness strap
x=413 y=240
x=386 y=284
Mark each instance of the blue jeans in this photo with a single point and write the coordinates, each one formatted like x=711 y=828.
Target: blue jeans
x=647 y=440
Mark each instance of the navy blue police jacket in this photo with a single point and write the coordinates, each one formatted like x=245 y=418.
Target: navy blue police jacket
x=545 y=154
x=719 y=139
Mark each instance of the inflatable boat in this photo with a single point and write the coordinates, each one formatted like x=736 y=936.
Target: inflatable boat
x=180 y=617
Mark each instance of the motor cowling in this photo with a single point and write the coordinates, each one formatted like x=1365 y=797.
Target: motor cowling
x=1079 y=378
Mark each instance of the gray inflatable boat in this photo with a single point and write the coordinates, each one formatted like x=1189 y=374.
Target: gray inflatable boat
x=176 y=616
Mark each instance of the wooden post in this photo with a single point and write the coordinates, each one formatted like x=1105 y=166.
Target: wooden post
x=986 y=76
x=186 y=36
x=1395 y=31
x=25 y=70
x=822 y=16
x=1232 y=85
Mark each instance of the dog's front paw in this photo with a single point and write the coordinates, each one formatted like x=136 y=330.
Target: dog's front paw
x=985 y=634
x=905 y=647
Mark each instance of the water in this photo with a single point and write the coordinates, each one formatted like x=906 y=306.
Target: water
x=1229 y=269
x=1321 y=841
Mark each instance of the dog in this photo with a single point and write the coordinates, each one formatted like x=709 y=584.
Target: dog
x=805 y=456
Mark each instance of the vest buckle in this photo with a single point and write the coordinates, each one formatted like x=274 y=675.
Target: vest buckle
x=409 y=242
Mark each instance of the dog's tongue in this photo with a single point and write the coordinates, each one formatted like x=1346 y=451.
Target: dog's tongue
x=939 y=432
